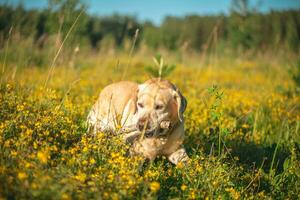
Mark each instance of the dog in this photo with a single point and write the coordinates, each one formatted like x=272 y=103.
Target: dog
x=148 y=115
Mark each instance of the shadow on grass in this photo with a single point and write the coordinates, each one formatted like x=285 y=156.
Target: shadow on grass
x=250 y=154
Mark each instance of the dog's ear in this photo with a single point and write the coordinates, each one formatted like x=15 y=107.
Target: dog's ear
x=181 y=103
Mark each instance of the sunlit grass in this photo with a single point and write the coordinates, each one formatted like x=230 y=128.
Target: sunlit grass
x=45 y=153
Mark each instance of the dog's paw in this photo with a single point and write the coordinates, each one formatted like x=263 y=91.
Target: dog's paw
x=179 y=156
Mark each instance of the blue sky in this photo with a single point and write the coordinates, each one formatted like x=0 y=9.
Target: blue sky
x=156 y=10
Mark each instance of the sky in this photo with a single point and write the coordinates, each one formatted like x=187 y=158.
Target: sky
x=156 y=10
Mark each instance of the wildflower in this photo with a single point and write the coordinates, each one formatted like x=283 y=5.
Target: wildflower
x=192 y=194
x=22 y=175
x=28 y=165
x=84 y=162
x=183 y=187
x=43 y=156
x=179 y=165
x=92 y=161
x=65 y=196
x=85 y=149
x=20 y=107
x=13 y=153
x=154 y=186
x=110 y=177
x=106 y=195
x=81 y=177
x=34 y=186
x=233 y=193
x=245 y=126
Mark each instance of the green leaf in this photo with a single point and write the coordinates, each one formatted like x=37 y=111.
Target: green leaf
x=286 y=164
x=160 y=69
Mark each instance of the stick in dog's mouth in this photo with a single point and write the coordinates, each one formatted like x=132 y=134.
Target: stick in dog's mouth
x=132 y=133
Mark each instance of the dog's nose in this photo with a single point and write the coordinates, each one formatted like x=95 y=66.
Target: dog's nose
x=140 y=126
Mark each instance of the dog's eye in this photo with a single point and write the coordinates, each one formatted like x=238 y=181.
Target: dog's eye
x=140 y=105
x=158 y=107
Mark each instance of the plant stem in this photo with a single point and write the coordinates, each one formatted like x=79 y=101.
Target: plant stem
x=273 y=158
x=219 y=142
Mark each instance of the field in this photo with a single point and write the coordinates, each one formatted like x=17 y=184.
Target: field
x=242 y=130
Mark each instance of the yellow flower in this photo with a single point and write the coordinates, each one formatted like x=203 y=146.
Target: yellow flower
x=92 y=161
x=43 y=156
x=20 y=107
x=179 y=165
x=233 y=193
x=85 y=149
x=245 y=126
x=13 y=153
x=154 y=186
x=84 y=162
x=34 y=186
x=80 y=176
x=22 y=175
x=183 y=187
x=65 y=196
x=192 y=194
x=106 y=195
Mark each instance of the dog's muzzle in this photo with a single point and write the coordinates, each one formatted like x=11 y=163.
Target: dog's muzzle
x=143 y=126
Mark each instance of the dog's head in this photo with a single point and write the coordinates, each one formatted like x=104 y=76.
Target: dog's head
x=158 y=101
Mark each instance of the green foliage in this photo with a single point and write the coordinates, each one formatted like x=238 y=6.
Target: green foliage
x=243 y=29
x=215 y=92
x=295 y=73
x=215 y=115
x=249 y=29
x=160 y=69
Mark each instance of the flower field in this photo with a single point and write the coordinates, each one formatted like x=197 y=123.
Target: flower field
x=242 y=133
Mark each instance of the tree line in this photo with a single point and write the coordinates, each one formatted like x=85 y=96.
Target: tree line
x=243 y=28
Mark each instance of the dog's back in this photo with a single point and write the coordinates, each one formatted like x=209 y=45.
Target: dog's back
x=114 y=106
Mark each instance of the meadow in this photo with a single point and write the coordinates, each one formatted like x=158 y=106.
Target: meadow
x=242 y=130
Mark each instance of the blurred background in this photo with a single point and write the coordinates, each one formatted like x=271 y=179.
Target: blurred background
x=192 y=27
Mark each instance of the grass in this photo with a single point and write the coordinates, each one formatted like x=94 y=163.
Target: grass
x=242 y=145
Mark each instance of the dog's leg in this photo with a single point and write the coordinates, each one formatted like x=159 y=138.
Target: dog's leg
x=95 y=124
x=91 y=121
x=178 y=156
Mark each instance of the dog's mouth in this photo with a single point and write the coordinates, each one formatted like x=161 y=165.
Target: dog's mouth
x=154 y=132
x=149 y=133
x=160 y=130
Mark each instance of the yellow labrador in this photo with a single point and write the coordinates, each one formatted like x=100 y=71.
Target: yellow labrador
x=149 y=115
